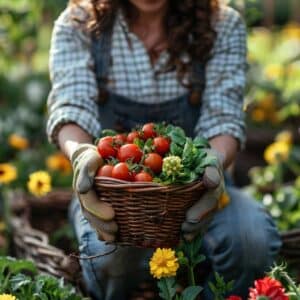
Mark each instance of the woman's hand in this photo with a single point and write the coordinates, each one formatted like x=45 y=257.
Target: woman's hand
x=86 y=161
x=198 y=216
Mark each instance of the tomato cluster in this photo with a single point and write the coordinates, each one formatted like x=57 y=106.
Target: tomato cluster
x=136 y=156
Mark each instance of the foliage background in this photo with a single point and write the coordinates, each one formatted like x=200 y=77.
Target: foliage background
x=274 y=73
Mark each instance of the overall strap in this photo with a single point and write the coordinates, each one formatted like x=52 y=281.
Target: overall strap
x=198 y=83
x=101 y=52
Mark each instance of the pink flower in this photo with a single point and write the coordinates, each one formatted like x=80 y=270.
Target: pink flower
x=268 y=287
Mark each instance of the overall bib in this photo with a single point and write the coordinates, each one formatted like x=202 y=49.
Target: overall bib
x=241 y=240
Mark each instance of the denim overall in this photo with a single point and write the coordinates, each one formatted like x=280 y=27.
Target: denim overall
x=241 y=241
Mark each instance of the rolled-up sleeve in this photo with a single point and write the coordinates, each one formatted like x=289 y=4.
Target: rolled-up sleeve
x=73 y=96
x=222 y=104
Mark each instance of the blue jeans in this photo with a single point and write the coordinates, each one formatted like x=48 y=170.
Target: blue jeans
x=241 y=243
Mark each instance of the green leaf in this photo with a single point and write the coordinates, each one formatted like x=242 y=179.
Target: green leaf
x=167 y=287
x=196 y=244
x=20 y=281
x=209 y=160
x=229 y=285
x=148 y=146
x=220 y=288
x=191 y=292
x=199 y=171
x=16 y=266
x=213 y=288
x=187 y=176
x=200 y=142
x=199 y=259
x=177 y=135
x=139 y=142
x=106 y=132
x=175 y=149
x=187 y=154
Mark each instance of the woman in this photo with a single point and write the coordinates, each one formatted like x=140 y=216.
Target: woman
x=115 y=64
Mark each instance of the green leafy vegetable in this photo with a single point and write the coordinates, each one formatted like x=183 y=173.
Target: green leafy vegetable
x=20 y=278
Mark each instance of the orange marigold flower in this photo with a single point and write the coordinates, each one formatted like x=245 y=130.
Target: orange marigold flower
x=59 y=162
x=163 y=263
x=223 y=200
x=18 y=142
x=258 y=115
x=39 y=183
x=8 y=173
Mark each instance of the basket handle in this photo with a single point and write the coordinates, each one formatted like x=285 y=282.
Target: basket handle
x=73 y=255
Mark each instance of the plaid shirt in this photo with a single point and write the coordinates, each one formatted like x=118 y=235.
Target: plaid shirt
x=74 y=94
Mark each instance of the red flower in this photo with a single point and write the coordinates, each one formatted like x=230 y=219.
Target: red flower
x=268 y=287
x=234 y=297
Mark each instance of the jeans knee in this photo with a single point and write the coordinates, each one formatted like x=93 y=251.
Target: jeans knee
x=255 y=250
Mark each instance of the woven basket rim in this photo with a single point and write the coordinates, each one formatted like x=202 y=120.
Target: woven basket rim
x=109 y=182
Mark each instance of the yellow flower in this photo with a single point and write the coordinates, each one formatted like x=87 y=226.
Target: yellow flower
x=39 y=183
x=59 y=162
x=273 y=71
x=297 y=182
x=258 y=115
x=18 y=142
x=291 y=31
x=8 y=173
x=163 y=263
x=284 y=136
x=277 y=152
x=268 y=102
x=223 y=200
x=2 y=226
x=7 y=297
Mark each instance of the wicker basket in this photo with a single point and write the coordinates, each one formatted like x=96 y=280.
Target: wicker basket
x=30 y=243
x=290 y=250
x=149 y=214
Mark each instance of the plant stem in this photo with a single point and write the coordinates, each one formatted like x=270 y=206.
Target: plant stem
x=279 y=174
x=167 y=288
x=294 y=168
x=191 y=275
x=292 y=284
x=5 y=283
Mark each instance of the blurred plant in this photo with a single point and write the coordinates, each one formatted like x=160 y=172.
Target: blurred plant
x=277 y=185
x=19 y=279
x=273 y=94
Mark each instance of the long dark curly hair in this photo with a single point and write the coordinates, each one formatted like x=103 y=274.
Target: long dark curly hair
x=188 y=24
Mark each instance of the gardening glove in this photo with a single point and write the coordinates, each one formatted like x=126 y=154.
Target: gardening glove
x=199 y=215
x=86 y=161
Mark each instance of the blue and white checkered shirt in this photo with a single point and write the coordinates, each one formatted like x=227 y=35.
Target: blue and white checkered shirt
x=74 y=94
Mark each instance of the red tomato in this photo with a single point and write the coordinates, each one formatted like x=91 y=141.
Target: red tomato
x=132 y=136
x=121 y=171
x=143 y=176
x=108 y=138
x=105 y=170
x=154 y=162
x=120 y=139
x=106 y=148
x=148 y=131
x=130 y=151
x=161 y=144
